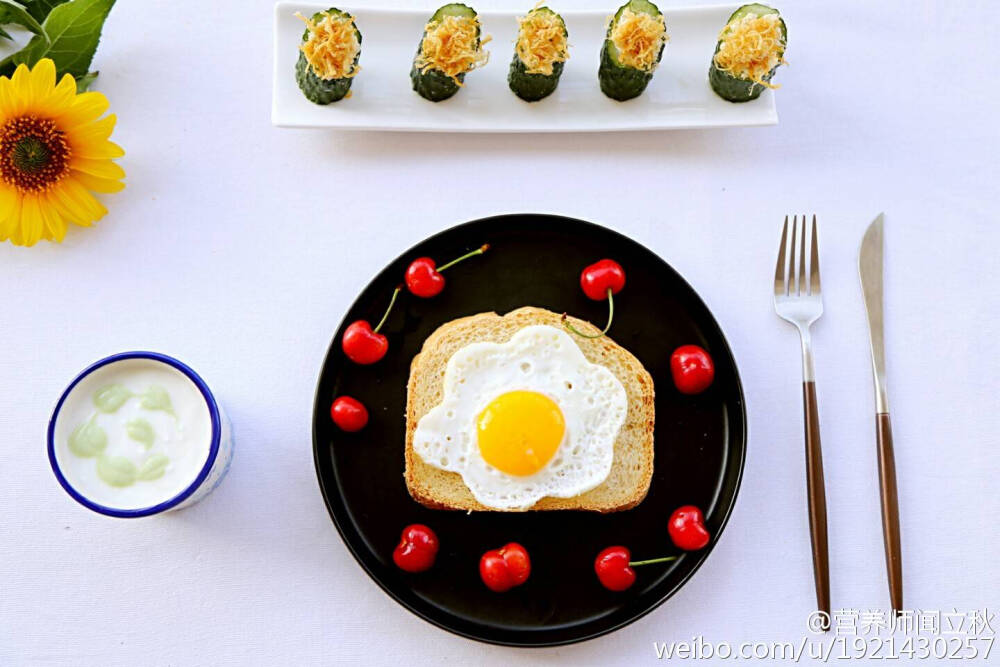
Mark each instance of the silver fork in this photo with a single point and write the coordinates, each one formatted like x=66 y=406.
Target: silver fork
x=798 y=299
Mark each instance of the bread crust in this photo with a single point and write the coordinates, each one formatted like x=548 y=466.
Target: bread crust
x=632 y=469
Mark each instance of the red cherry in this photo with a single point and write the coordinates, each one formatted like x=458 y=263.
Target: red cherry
x=349 y=414
x=502 y=569
x=599 y=281
x=612 y=567
x=687 y=528
x=600 y=277
x=417 y=548
x=424 y=279
x=494 y=573
x=518 y=562
x=692 y=368
x=364 y=345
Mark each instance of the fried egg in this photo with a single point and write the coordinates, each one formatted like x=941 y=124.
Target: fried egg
x=524 y=419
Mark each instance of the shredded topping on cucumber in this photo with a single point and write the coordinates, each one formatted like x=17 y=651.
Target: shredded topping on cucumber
x=639 y=38
x=751 y=47
x=332 y=46
x=452 y=45
x=541 y=42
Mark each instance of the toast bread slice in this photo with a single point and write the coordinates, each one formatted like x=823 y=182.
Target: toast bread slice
x=632 y=468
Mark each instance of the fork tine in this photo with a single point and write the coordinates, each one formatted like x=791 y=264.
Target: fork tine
x=814 y=287
x=802 y=284
x=793 y=249
x=780 y=271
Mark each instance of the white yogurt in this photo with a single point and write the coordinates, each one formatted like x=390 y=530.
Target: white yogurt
x=136 y=433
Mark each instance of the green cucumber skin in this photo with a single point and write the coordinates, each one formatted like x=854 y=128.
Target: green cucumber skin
x=453 y=9
x=620 y=82
x=434 y=85
x=534 y=87
x=733 y=88
x=317 y=90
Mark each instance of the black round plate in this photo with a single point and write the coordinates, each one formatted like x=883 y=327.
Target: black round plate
x=535 y=260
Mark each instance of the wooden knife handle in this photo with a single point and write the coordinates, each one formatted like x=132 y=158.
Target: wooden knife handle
x=816 y=490
x=890 y=509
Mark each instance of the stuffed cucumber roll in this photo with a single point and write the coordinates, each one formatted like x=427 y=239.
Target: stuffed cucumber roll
x=632 y=49
x=750 y=49
x=539 y=53
x=328 y=56
x=450 y=48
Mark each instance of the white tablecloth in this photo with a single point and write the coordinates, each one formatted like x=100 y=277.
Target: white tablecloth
x=237 y=247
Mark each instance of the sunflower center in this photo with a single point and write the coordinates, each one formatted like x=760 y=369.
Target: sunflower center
x=34 y=154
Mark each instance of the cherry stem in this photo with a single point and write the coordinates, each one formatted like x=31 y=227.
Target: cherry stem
x=395 y=293
x=611 y=316
x=650 y=562
x=478 y=251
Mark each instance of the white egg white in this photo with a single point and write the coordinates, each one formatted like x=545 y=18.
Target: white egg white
x=537 y=358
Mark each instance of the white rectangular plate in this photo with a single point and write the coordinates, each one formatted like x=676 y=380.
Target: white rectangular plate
x=382 y=99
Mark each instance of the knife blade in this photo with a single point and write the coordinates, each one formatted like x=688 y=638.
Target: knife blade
x=870 y=268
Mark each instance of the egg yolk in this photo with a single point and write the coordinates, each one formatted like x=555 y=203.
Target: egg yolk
x=520 y=431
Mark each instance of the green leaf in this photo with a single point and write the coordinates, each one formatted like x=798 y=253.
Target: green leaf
x=70 y=36
x=111 y=397
x=7 y=65
x=41 y=8
x=15 y=12
x=4 y=33
x=154 y=467
x=83 y=82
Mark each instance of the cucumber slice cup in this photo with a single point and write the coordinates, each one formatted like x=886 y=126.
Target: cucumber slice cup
x=532 y=87
x=735 y=88
x=315 y=88
x=618 y=81
x=433 y=84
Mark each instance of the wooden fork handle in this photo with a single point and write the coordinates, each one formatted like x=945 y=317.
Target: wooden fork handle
x=816 y=490
x=890 y=509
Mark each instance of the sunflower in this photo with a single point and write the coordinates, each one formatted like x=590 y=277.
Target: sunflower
x=54 y=153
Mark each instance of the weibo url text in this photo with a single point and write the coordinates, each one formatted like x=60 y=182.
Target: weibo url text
x=858 y=635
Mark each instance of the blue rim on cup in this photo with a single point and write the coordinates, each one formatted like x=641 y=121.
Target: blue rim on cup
x=218 y=423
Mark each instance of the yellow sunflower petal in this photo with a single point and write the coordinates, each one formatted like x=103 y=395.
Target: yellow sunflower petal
x=99 y=168
x=96 y=149
x=52 y=218
x=60 y=97
x=7 y=101
x=10 y=201
x=65 y=211
x=98 y=130
x=8 y=198
x=14 y=228
x=31 y=220
x=73 y=210
x=86 y=107
x=96 y=184
x=20 y=90
x=42 y=79
x=76 y=197
x=20 y=77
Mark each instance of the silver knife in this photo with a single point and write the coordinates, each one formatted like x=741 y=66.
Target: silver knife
x=870 y=267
